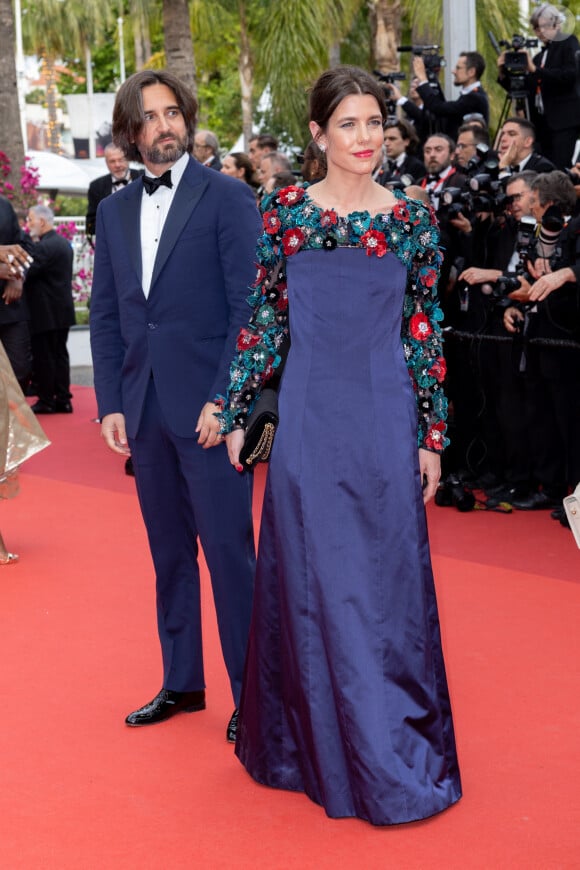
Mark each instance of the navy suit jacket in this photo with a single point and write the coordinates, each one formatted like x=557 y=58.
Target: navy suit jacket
x=184 y=334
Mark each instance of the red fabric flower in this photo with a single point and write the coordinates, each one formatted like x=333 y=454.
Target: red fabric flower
x=247 y=339
x=429 y=278
x=271 y=222
x=328 y=218
x=292 y=240
x=290 y=195
x=400 y=211
x=435 y=436
x=438 y=369
x=420 y=327
x=375 y=243
x=260 y=275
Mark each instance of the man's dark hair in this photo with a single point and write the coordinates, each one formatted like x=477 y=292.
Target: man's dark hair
x=266 y=140
x=128 y=116
x=408 y=133
x=480 y=136
x=448 y=139
x=474 y=60
x=525 y=126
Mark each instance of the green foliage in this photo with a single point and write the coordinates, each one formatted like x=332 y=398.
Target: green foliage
x=70 y=206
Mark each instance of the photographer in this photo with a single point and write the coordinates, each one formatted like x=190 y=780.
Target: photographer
x=516 y=148
x=547 y=320
x=400 y=165
x=450 y=114
x=469 y=136
x=550 y=82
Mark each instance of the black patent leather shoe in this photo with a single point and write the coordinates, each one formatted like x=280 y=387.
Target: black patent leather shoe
x=41 y=407
x=165 y=705
x=232 y=728
x=63 y=408
x=537 y=501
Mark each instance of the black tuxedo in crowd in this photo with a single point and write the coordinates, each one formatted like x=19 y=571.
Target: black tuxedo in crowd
x=539 y=163
x=48 y=287
x=14 y=317
x=559 y=125
x=410 y=166
x=99 y=189
x=450 y=114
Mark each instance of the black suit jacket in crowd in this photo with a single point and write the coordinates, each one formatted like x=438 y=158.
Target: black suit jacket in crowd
x=451 y=113
x=410 y=166
x=99 y=189
x=48 y=284
x=556 y=80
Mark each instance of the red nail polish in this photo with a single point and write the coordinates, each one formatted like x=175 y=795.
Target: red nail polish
x=239 y=467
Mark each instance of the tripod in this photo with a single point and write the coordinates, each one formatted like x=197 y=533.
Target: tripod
x=516 y=103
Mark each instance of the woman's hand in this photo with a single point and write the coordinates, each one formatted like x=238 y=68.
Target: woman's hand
x=234 y=443
x=430 y=469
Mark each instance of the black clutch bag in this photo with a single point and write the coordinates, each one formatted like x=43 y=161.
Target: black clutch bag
x=260 y=430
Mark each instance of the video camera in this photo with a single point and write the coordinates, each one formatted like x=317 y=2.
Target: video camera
x=387 y=79
x=515 y=61
x=431 y=58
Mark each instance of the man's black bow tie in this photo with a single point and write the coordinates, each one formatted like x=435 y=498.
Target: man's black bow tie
x=119 y=181
x=151 y=184
x=432 y=178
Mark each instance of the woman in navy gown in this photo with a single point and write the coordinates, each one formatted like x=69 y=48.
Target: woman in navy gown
x=345 y=695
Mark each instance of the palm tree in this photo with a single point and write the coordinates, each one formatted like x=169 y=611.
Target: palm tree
x=12 y=142
x=179 y=56
x=58 y=27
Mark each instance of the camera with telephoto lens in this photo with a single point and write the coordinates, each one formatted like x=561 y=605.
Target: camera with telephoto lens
x=452 y=493
x=431 y=58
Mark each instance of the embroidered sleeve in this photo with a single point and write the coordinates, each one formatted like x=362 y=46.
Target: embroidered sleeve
x=421 y=330
x=259 y=341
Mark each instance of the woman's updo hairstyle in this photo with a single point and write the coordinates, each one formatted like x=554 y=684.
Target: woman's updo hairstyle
x=335 y=84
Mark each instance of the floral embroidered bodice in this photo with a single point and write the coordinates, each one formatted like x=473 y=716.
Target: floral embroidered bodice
x=292 y=223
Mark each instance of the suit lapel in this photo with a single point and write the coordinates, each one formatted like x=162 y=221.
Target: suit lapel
x=130 y=208
x=187 y=196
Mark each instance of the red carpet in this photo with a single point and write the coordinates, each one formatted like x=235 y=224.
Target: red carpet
x=81 y=791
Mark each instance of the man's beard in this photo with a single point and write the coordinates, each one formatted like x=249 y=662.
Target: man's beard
x=158 y=154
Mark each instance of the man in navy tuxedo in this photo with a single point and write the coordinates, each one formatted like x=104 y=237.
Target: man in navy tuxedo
x=173 y=262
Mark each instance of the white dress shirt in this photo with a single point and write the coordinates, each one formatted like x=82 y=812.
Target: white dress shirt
x=154 y=211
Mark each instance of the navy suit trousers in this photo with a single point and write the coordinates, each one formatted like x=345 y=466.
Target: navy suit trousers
x=187 y=493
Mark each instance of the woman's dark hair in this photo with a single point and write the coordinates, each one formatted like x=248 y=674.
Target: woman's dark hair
x=242 y=161
x=128 y=112
x=337 y=83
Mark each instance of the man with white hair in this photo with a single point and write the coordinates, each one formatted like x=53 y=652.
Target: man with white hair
x=553 y=100
x=48 y=287
x=206 y=149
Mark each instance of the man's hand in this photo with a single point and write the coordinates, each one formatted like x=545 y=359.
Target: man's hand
x=550 y=281
x=512 y=319
x=113 y=431
x=461 y=223
x=12 y=291
x=522 y=294
x=474 y=275
x=419 y=69
x=208 y=426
